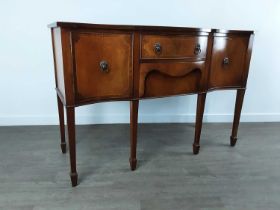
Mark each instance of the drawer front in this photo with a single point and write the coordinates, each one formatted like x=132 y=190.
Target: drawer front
x=228 y=59
x=164 y=79
x=173 y=46
x=103 y=65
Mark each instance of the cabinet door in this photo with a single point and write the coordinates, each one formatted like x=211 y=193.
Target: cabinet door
x=103 y=65
x=228 y=61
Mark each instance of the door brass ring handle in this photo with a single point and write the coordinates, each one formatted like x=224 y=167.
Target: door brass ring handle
x=104 y=66
x=226 y=61
x=157 y=48
x=197 y=49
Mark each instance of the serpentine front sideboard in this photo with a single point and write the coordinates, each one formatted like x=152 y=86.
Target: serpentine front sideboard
x=95 y=63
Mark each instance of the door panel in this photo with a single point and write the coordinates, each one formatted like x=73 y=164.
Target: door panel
x=103 y=65
x=227 y=64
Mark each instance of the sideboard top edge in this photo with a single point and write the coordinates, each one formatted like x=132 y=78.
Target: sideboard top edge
x=124 y=27
x=224 y=31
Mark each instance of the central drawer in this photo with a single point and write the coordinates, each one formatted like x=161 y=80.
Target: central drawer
x=173 y=46
x=170 y=78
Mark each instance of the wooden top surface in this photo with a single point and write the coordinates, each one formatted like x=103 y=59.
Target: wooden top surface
x=140 y=27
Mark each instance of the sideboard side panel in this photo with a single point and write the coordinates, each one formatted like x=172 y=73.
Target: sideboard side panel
x=247 y=60
x=58 y=62
x=68 y=67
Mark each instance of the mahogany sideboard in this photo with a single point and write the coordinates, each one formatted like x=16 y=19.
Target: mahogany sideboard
x=95 y=63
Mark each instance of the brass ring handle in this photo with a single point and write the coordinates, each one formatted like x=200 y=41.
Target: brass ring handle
x=197 y=49
x=226 y=61
x=157 y=48
x=104 y=66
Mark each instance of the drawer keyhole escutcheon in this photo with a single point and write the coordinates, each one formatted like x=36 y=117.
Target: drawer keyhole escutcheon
x=197 y=49
x=157 y=48
x=226 y=61
x=104 y=66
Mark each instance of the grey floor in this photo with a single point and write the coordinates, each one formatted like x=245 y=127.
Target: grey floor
x=34 y=173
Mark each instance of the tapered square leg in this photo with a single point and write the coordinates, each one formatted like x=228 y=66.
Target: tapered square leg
x=72 y=144
x=61 y=125
x=74 y=179
x=237 y=112
x=133 y=133
x=198 y=124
